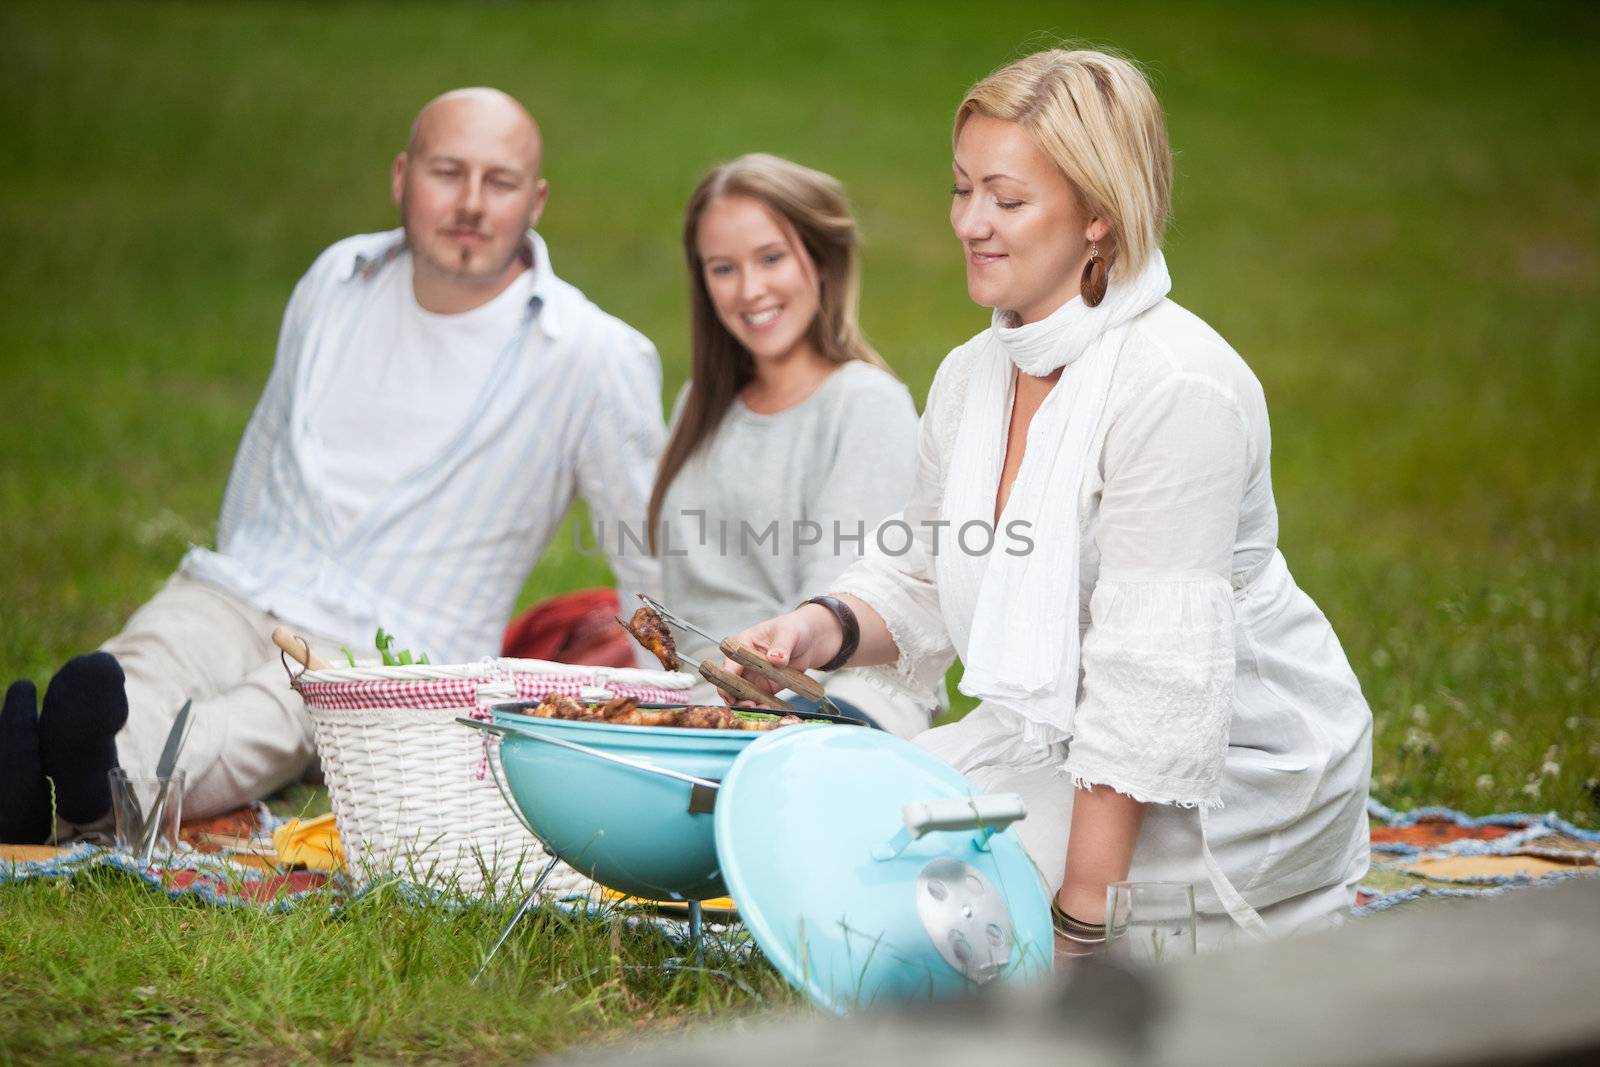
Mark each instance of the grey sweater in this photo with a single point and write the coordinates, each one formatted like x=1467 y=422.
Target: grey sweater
x=738 y=518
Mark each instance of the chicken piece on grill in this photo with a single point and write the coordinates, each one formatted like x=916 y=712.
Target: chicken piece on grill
x=557 y=706
x=709 y=718
x=625 y=711
x=618 y=708
x=650 y=631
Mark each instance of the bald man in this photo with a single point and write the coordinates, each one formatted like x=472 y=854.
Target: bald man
x=438 y=398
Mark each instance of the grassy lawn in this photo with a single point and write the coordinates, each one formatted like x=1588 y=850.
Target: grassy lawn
x=1389 y=210
x=99 y=967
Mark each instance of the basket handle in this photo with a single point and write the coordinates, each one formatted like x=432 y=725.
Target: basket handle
x=298 y=647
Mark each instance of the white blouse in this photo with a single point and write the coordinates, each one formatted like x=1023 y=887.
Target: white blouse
x=1207 y=679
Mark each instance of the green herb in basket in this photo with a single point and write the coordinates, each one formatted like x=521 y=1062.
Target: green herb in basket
x=391 y=658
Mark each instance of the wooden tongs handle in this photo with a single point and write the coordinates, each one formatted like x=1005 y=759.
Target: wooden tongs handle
x=299 y=649
x=739 y=689
x=788 y=677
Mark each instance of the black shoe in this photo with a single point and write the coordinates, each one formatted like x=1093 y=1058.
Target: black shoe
x=24 y=797
x=84 y=707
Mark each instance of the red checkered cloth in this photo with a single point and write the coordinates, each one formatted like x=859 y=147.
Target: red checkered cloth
x=445 y=694
x=456 y=694
x=536 y=686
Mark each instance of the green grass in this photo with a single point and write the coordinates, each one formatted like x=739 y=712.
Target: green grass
x=99 y=967
x=1389 y=210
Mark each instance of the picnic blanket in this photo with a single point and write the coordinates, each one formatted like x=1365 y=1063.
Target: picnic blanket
x=212 y=865
x=1428 y=852
x=230 y=861
x=1443 y=852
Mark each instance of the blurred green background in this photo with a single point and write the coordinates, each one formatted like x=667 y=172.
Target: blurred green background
x=1390 y=210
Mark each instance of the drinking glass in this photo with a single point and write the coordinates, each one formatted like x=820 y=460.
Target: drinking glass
x=147 y=809
x=1149 y=922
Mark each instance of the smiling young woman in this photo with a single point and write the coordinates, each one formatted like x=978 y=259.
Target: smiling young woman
x=792 y=439
x=763 y=287
x=1168 y=703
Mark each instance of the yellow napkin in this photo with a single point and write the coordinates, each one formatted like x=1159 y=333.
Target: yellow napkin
x=311 y=843
x=724 y=904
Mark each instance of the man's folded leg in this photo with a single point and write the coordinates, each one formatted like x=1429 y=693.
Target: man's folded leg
x=248 y=741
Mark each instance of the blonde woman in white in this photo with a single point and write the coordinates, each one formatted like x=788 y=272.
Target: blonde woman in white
x=1167 y=701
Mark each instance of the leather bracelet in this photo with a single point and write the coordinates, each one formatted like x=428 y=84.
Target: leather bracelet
x=847 y=622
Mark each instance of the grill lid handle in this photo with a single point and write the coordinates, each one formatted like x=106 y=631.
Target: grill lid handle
x=986 y=814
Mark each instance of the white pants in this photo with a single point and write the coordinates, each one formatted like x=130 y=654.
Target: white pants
x=249 y=732
x=1169 y=847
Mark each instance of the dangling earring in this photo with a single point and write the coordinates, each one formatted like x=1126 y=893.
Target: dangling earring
x=1093 y=283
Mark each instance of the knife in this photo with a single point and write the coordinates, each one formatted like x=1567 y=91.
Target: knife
x=164 y=768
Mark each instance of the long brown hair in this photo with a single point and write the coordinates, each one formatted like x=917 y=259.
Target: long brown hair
x=809 y=206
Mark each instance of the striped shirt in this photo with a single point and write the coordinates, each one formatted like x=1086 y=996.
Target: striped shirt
x=571 y=407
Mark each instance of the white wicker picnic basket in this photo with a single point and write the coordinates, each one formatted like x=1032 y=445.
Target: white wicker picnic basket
x=407 y=781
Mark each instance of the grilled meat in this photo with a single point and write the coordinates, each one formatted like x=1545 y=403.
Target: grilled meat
x=709 y=718
x=557 y=706
x=618 y=709
x=650 y=631
x=625 y=711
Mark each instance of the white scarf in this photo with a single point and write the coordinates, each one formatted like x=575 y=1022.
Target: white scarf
x=1022 y=648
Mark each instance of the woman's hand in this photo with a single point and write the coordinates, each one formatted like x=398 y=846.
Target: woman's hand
x=803 y=639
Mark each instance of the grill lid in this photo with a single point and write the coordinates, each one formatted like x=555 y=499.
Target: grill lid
x=868 y=870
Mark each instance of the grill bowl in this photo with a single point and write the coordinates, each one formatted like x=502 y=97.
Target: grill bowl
x=625 y=827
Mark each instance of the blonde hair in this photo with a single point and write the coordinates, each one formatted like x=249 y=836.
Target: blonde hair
x=810 y=207
x=1098 y=120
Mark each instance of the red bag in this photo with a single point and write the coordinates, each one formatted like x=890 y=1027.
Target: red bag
x=579 y=627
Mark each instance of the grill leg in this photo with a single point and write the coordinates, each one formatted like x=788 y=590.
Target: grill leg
x=527 y=903
x=697 y=933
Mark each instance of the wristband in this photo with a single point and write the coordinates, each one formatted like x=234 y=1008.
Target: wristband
x=847 y=622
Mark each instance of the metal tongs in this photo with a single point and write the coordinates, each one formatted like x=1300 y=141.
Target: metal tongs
x=734 y=686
